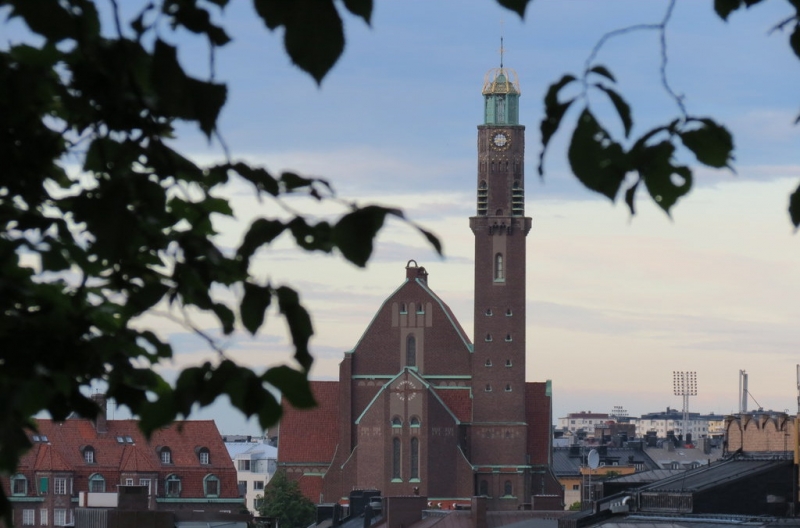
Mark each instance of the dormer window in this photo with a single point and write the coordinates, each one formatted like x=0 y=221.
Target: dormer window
x=88 y=454
x=204 y=456
x=19 y=485
x=166 y=455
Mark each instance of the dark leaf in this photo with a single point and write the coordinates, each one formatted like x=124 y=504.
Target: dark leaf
x=293 y=385
x=630 y=195
x=712 y=144
x=314 y=36
x=354 y=233
x=665 y=182
x=726 y=7
x=261 y=232
x=225 y=316
x=553 y=114
x=622 y=107
x=518 y=6
x=362 y=8
x=299 y=323
x=794 y=208
x=262 y=179
x=433 y=240
x=597 y=161
x=602 y=70
x=794 y=40
x=255 y=302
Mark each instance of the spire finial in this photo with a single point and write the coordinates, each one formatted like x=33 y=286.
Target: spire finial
x=502 y=22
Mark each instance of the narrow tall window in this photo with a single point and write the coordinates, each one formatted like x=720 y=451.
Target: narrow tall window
x=483 y=489
x=204 y=456
x=166 y=456
x=499 y=271
x=415 y=458
x=507 y=489
x=411 y=351
x=172 y=486
x=88 y=455
x=396 y=458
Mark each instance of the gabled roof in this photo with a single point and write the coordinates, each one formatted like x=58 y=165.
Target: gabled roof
x=314 y=433
x=48 y=459
x=445 y=308
x=135 y=460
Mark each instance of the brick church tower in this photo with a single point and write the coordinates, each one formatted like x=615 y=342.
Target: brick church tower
x=500 y=228
x=421 y=409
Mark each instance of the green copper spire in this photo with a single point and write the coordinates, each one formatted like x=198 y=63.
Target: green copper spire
x=501 y=95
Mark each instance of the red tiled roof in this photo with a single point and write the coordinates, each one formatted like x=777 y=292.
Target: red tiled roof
x=48 y=459
x=459 y=402
x=538 y=415
x=311 y=435
x=122 y=451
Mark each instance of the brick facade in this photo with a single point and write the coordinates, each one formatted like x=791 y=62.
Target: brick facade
x=421 y=408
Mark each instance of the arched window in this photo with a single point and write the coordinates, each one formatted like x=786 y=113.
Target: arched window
x=97 y=484
x=414 y=421
x=19 y=485
x=166 y=455
x=211 y=486
x=411 y=351
x=488 y=363
x=508 y=362
x=396 y=458
x=88 y=455
x=414 y=458
x=488 y=387
x=508 y=337
x=489 y=311
x=172 y=486
x=499 y=270
x=483 y=488
x=397 y=422
x=509 y=313
x=403 y=308
x=508 y=387
x=507 y=489
x=204 y=456
x=488 y=337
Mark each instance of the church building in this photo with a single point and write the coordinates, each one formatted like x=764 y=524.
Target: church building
x=420 y=408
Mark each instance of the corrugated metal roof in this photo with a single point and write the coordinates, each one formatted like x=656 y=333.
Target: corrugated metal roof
x=714 y=474
x=649 y=476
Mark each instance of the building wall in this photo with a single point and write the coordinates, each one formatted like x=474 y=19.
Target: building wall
x=760 y=432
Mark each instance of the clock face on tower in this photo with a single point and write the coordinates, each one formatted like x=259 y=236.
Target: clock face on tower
x=501 y=140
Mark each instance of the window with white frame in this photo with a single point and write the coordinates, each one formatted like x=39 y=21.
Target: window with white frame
x=60 y=486
x=258 y=485
x=166 y=455
x=129 y=482
x=43 y=517
x=28 y=517
x=59 y=517
x=88 y=455
x=146 y=482
x=204 y=456
x=244 y=465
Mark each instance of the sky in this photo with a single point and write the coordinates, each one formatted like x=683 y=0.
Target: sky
x=615 y=303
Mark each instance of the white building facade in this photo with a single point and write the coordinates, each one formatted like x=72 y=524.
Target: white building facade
x=256 y=462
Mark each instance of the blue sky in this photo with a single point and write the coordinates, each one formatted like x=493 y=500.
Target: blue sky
x=615 y=303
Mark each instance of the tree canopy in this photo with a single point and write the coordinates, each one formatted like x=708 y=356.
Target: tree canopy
x=284 y=501
x=103 y=218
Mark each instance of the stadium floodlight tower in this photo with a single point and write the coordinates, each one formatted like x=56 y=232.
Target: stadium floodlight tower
x=684 y=383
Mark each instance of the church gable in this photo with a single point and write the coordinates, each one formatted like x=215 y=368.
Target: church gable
x=413 y=328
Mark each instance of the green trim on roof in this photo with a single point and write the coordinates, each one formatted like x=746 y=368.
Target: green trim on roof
x=372 y=376
x=216 y=500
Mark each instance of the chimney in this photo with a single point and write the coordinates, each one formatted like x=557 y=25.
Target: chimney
x=414 y=271
x=101 y=422
x=478 y=512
